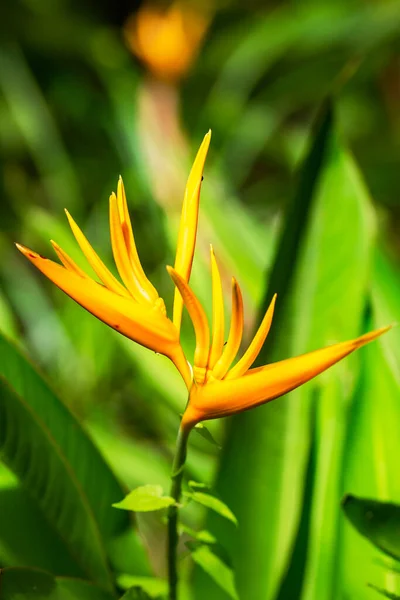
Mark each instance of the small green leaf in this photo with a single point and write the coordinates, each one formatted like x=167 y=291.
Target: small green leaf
x=144 y=499
x=384 y=592
x=202 y=536
x=152 y=587
x=197 y=484
x=135 y=593
x=377 y=521
x=214 y=503
x=205 y=433
x=216 y=569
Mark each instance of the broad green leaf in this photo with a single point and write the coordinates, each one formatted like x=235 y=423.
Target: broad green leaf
x=43 y=444
x=26 y=537
x=144 y=499
x=265 y=453
x=377 y=521
x=31 y=584
x=216 y=569
x=373 y=444
x=153 y=587
x=214 y=503
x=332 y=302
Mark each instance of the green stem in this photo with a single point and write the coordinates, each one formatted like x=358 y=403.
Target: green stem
x=176 y=491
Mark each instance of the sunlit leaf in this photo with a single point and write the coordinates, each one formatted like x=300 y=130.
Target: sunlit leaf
x=144 y=499
x=45 y=446
x=213 y=503
x=149 y=587
x=216 y=569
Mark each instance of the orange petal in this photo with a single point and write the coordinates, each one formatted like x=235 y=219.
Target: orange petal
x=235 y=333
x=254 y=349
x=200 y=324
x=188 y=225
x=94 y=260
x=260 y=385
x=217 y=342
x=121 y=257
x=127 y=231
x=137 y=322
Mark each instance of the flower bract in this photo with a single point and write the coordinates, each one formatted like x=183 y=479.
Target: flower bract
x=219 y=390
x=133 y=307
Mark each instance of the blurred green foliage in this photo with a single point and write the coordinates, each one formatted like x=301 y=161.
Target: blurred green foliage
x=76 y=110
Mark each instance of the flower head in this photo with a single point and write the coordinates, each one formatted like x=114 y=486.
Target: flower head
x=220 y=390
x=166 y=40
x=133 y=307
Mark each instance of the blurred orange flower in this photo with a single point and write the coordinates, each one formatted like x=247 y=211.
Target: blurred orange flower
x=166 y=40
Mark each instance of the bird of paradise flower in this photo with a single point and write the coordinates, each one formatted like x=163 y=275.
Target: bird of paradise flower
x=135 y=309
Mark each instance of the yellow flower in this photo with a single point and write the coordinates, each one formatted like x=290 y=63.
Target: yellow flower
x=166 y=40
x=218 y=390
x=133 y=308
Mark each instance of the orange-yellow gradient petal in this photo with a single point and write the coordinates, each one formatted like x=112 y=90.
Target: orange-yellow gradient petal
x=235 y=333
x=200 y=324
x=129 y=238
x=260 y=385
x=95 y=261
x=144 y=325
x=67 y=260
x=121 y=255
x=218 y=328
x=188 y=225
x=257 y=343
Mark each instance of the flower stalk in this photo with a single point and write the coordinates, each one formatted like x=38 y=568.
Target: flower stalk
x=173 y=511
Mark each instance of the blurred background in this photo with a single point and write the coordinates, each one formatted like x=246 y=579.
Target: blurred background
x=91 y=90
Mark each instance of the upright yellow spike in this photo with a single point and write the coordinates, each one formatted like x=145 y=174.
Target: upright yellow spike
x=95 y=261
x=254 y=348
x=218 y=324
x=235 y=333
x=67 y=261
x=188 y=225
x=121 y=255
x=200 y=324
x=130 y=242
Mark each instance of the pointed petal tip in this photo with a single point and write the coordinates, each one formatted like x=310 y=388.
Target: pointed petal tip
x=21 y=248
x=372 y=335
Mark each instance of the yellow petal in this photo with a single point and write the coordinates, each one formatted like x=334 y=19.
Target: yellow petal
x=235 y=333
x=127 y=231
x=217 y=342
x=121 y=257
x=188 y=225
x=260 y=385
x=254 y=349
x=67 y=260
x=95 y=262
x=200 y=324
